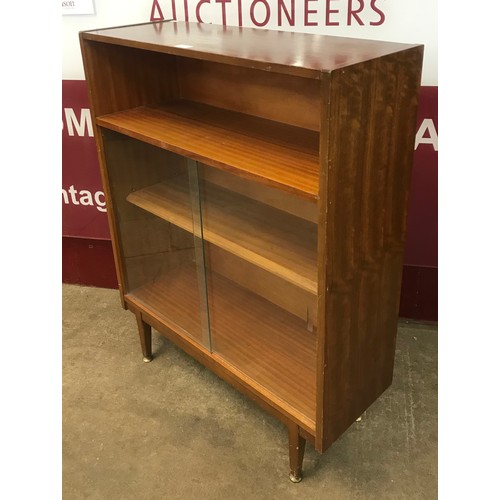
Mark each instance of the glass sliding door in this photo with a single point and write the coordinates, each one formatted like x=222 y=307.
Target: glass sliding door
x=260 y=253
x=223 y=260
x=156 y=199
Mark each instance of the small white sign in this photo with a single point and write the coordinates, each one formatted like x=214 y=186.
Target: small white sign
x=73 y=7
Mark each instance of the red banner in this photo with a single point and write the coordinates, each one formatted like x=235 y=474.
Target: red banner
x=422 y=235
x=84 y=205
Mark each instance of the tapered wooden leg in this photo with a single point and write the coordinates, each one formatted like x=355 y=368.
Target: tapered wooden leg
x=296 y=444
x=145 y=336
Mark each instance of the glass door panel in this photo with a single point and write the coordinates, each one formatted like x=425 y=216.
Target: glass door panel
x=156 y=201
x=260 y=253
x=229 y=262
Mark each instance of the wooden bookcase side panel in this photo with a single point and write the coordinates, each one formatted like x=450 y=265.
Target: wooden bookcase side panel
x=366 y=162
x=288 y=99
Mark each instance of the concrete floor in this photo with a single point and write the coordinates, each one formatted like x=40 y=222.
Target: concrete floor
x=170 y=429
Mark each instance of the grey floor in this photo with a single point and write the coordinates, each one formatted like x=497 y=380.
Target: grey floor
x=172 y=430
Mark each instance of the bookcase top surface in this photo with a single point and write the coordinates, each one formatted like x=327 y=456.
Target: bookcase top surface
x=296 y=53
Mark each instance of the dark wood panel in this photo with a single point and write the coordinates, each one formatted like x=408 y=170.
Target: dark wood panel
x=366 y=167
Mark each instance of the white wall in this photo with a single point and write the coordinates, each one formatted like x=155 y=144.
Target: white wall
x=412 y=21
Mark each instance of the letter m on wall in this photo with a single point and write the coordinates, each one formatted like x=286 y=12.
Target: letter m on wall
x=81 y=125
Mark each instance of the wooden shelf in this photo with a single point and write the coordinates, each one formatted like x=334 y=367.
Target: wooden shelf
x=272 y=153
x=267 y=344
x=275 y=241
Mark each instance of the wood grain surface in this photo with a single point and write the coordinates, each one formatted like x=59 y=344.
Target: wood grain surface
x=302 y=54
x=274 y=154
x=366 y=158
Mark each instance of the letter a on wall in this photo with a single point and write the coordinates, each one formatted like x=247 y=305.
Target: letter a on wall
x=156 y=9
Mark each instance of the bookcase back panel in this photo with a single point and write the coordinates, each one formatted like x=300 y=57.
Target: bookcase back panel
x=284 y=98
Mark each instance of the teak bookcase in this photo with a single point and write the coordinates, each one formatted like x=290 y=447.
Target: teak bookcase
x=257 y=185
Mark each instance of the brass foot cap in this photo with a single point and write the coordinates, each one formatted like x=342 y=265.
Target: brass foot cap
x=147 y=359
x=295 y=478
